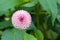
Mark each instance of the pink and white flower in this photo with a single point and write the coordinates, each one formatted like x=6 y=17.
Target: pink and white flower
x=21 y=19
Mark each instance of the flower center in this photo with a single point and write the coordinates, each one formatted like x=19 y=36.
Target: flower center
x=21 y=19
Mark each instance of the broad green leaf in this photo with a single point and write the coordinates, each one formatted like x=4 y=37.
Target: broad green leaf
x=8 y=4
x=51 y=7
x=58 y=16
x=29 y=37
x=15 y=34
x=54 y=9
x=12 y=34
x=44 y=4
x=31 y=4
x=38 y=34
x=58 y=1
x=5 y=24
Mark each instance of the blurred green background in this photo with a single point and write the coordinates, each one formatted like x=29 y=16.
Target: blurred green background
x=45 y=19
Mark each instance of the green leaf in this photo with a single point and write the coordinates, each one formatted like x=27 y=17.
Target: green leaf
x=15 y=34
x=9 y=4
x=12 y=34
x=38 y=34
x=51 y=7
x=58 y=16
x=5 y=24
x=52 y=35
x=29 y=37
x=30 y=4
x=44 y=4
x=58 y=1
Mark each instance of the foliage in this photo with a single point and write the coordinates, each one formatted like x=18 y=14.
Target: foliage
x=45 y=20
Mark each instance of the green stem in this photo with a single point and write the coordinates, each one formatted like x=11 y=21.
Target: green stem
x=37 y=15
x=37 y=20
x=22 y=34
x=45 y=29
